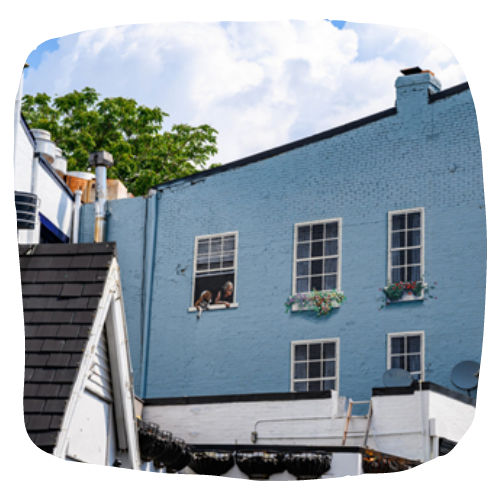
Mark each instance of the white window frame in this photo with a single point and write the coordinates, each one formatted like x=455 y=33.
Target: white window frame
x=338 y=220
x=214 y=307
x=315 y=341
x=422 y=349
x=421 y=246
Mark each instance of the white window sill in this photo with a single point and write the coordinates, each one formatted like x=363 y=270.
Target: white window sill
x=215 y=307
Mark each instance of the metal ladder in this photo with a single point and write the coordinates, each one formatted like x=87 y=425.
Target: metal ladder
x=350 y=416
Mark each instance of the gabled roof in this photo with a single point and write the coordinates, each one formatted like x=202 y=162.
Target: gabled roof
x=61 y=288
x=194 y=178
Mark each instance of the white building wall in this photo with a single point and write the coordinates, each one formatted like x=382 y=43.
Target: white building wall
x=56 y=204
x=24 y=161
x=452 y=418
x=233 y=423
x=401 y=424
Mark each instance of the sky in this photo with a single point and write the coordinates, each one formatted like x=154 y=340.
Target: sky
x=260 y=84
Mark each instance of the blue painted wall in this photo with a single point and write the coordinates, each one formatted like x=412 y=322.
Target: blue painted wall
x=427 y=155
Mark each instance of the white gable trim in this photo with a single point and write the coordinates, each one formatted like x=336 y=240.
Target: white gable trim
x=110 y=312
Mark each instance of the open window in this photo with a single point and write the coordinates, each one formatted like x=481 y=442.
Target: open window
x=215 y=264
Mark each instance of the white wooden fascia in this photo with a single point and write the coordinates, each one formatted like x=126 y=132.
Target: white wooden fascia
x=121 y=374
x=86 y=363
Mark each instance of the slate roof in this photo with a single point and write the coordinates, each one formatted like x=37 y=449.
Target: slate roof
x=61 y=288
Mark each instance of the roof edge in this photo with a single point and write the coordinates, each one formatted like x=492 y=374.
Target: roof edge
x=238 y=398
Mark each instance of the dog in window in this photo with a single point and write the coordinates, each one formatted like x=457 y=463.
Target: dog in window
x=203 y=303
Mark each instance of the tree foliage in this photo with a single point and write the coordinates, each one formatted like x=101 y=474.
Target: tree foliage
x=144 y=155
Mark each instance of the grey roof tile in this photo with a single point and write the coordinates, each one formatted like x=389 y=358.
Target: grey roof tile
x=93 y=289
x=72 y=290
x=60 y=298
x=58 y=360
x=80 y=262
x=68 y=331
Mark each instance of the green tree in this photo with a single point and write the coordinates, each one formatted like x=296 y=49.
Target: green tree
x=144 y=155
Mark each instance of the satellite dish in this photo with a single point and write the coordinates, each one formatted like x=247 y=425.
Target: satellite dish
x=465 y=375
x=397 y=377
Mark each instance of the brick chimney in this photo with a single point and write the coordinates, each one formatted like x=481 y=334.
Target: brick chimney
x=413 y=89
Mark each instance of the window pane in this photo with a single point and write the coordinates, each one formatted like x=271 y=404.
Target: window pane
x=203 y=246
x=202 y=263
x=331 y=247
x=317 y=283
x=332 y=230
x=414 y=273
x=301 y=352
x=216 y=245
x=300 y=370
x=227 y=262
x=414 y=220
x=228 y=243
x=398 y=362
x=413 y=238
x=215 y=264
x=314 y=369
x=330 y=282
x=314 y=351
x=303 y=250
x=397 y=345
x=413 y=256
x=303 y=268
x=317 y=249
x=415 y=376
x=330 y=266
x=302 y=285
x=317 y=267
x=315 y=386
x=329 y=385
x=414 y=363
x=397 y=274
x=300 y=386
x=413 y=343
x=318 y=232
x=398 y=222
x=304 y=233
x=398 y=240
x=329 y=350
x=328 y=368
x=398 y=257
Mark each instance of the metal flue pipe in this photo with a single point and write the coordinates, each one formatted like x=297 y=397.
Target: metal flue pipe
x=101 y=160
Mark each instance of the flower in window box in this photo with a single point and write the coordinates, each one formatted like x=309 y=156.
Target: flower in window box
x=395 y=292
x=322 y=303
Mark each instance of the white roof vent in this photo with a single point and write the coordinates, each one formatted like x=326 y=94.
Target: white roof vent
x=60 y=164
x=44 y=145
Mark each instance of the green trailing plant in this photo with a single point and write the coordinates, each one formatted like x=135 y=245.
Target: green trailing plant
x=322 y=303
x=395 y=291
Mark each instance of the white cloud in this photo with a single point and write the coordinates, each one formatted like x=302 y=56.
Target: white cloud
x=259 y=84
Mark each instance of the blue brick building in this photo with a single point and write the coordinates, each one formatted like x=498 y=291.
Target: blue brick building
x=396 y=196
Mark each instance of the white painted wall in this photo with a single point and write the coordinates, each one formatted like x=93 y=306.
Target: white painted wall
x=233 y=423
x=452 y=418
x=24 y=161
x=398 y=425
x=56 y=204
x=89 y=431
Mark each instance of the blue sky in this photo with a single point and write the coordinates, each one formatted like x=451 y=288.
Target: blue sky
x=259 y=84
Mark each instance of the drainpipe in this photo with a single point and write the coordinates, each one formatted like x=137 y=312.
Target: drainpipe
x=101 y=160
x=76 y=215
x=149 y=267
x=17 y=111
